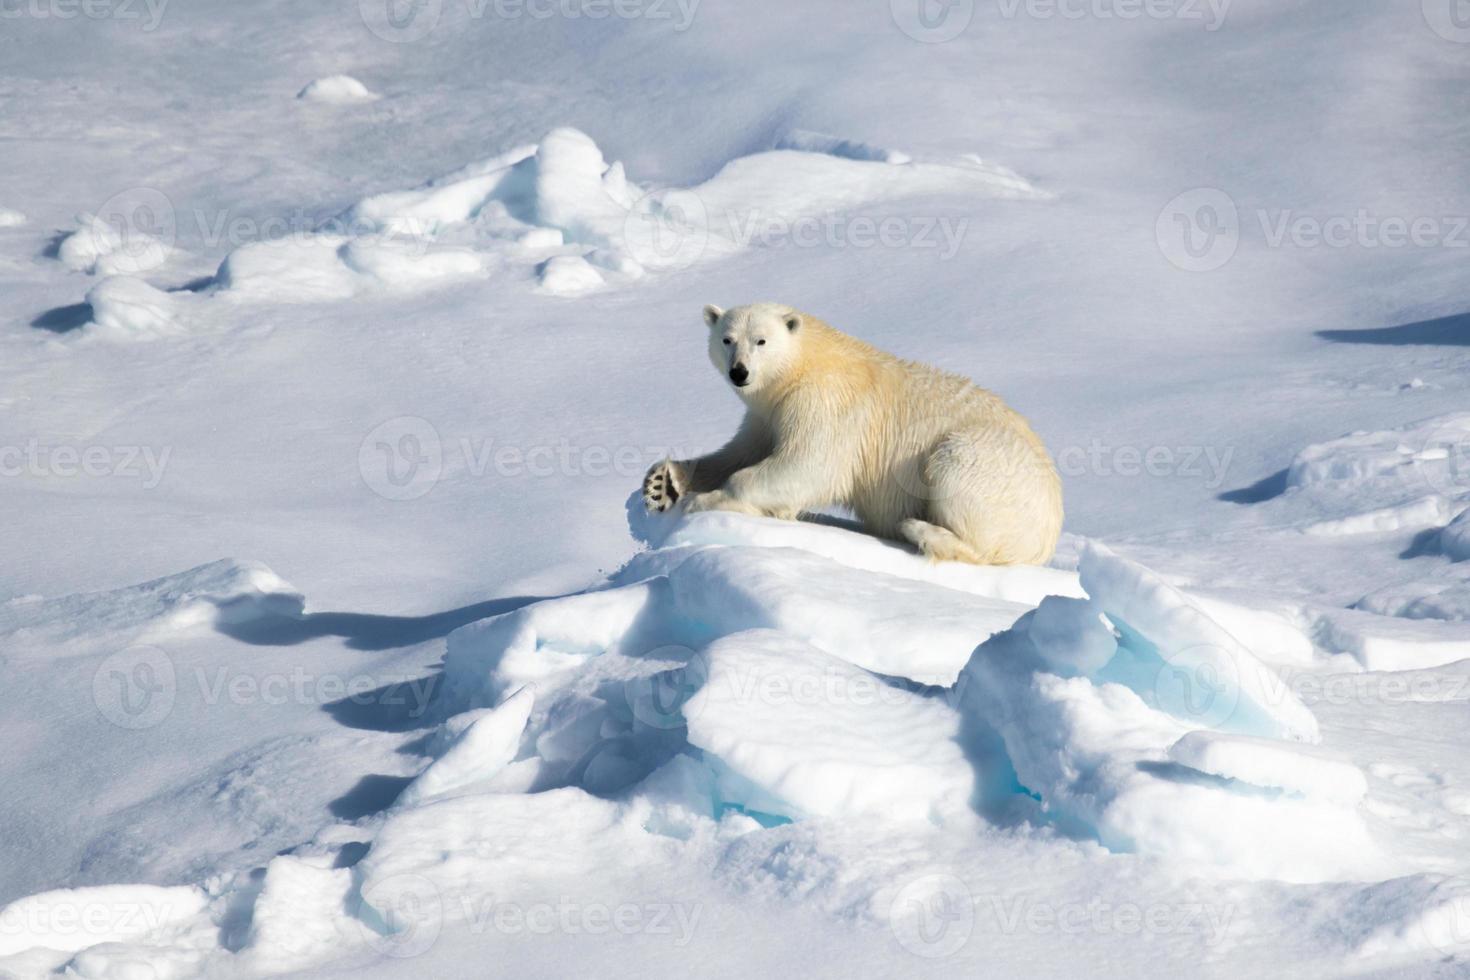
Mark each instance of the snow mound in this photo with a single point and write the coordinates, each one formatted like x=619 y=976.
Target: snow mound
x=1430 y=454
x=798 y=733
x=569 y=275
x=99 y=248
x=326 y=267
x=129 y=309
x=69 y=920
x=1426 y=913
x=1430 y=511
x=337 y=90
x=11 y=219
x=810 y=142
x=1025 y=584
x=1454 y=540
x=561 y=196
x=222 y=591
x=1099 y=705
x=750 y=675
x=486 y=744
x=1382 y=643
x=1270 y=764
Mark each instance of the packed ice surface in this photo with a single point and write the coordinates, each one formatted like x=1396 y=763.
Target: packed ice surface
x=11 y=218
x=797 y=732
x=730 y=684
x=367 y=351
x=337 y=90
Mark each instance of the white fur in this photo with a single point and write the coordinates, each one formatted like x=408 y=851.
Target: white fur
x=916 y=453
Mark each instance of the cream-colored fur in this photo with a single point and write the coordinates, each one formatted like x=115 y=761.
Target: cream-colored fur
x=918 y=454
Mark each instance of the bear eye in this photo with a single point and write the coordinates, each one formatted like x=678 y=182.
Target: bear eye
x=760 y=343
x=727 y=341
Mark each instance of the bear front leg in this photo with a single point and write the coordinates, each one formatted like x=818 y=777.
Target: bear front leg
x=776 y=487
x=719 y=500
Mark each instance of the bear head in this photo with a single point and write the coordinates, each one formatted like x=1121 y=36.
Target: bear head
x=754 y=345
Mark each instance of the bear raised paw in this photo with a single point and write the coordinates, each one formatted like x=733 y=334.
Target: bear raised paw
x=663 y=486
x=919 y=455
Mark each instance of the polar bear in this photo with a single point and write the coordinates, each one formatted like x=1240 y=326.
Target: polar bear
x=917 y=454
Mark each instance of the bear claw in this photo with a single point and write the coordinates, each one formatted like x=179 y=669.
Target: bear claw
x=661 y=489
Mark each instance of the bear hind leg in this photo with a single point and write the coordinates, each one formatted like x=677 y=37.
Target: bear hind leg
x=938 y=543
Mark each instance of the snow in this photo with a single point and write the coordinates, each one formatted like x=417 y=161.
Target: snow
x=1454 y=540
x=128 y=308
x=101 y=247
x=407 y=350
x=337 y=90
x=1271 y=764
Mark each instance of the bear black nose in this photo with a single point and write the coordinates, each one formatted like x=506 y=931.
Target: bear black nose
x=739 y=375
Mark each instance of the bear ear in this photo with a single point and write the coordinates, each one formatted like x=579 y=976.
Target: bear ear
x=712 y=315
x=792 y=321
